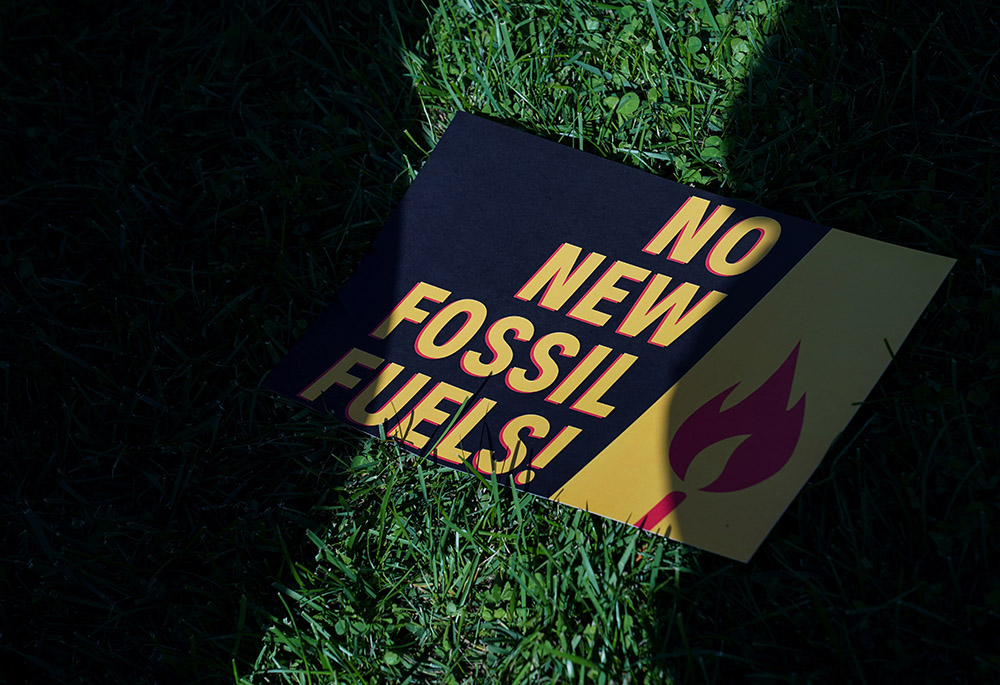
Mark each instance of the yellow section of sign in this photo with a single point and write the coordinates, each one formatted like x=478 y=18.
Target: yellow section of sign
x=841 y=304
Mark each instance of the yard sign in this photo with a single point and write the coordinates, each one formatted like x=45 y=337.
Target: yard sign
x=608 y=339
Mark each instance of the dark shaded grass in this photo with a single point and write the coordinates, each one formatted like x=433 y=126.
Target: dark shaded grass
x=182 y=192
x=881 y=119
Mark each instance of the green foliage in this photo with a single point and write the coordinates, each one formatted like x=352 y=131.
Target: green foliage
x=185 y=190
x=447 y=577
x=604 y=77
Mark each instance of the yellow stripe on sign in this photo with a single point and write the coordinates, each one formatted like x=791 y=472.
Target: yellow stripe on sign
x=841 y=304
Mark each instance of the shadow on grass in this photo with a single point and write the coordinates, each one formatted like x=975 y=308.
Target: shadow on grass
x=882 y=125
x=185 y=191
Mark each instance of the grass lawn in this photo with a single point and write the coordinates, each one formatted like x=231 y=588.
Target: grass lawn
x=183 y=191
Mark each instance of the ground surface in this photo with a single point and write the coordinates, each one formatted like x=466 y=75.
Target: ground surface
x=182 y=192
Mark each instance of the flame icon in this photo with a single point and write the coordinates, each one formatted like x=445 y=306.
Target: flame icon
x=771 y=432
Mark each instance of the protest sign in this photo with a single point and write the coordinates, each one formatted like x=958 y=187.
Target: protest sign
x=609 y=339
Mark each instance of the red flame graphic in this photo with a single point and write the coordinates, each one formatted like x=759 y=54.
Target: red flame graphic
x=773 y=433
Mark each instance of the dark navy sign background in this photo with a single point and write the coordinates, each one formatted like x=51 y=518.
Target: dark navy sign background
x=489 y=208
